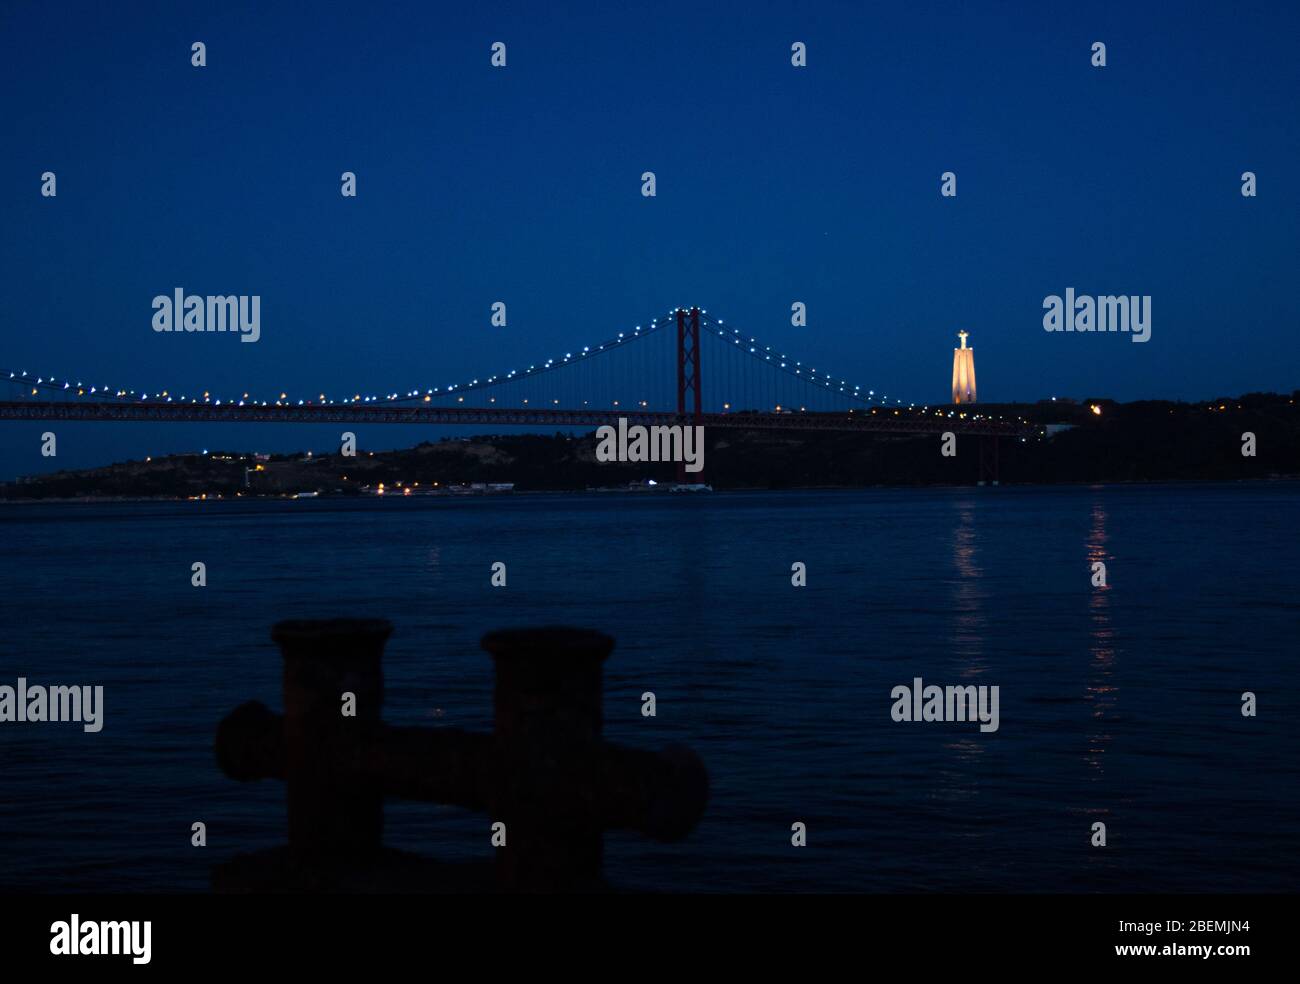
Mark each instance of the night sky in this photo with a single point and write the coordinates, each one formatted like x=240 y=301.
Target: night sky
x=775 y=184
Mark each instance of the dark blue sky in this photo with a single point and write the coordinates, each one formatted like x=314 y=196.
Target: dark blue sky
x=775 y=184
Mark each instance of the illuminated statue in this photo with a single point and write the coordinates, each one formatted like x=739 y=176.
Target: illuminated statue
x=963 y=372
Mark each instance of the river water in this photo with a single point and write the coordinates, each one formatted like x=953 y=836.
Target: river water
x=1118 y=704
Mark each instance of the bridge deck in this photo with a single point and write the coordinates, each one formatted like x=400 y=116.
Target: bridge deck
x=884 y=421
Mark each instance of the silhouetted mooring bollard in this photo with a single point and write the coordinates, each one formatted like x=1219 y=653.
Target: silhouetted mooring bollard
x=545 y=771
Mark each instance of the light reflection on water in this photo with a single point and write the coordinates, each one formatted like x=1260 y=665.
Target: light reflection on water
x=1118 y=703
x=1101 y=691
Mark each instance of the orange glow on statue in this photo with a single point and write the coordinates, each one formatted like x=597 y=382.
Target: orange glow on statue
x=963 y=372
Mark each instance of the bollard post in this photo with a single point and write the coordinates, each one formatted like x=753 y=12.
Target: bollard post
x=544 y=772
x=547 y=703
x=329 y=811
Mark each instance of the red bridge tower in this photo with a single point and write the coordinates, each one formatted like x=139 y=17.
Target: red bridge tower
x=688 y=377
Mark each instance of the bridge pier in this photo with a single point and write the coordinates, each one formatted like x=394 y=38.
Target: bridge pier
x=989 y=471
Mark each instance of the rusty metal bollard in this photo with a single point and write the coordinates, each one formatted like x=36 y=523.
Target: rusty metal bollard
x=545 y=771
x=331 y=809
x=548 y=723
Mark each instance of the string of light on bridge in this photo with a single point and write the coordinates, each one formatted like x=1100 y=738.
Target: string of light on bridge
x=764 y=353
x=728 y=334
x=427 y=395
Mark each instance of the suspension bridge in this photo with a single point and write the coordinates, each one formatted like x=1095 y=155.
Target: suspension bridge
x=682 y=368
